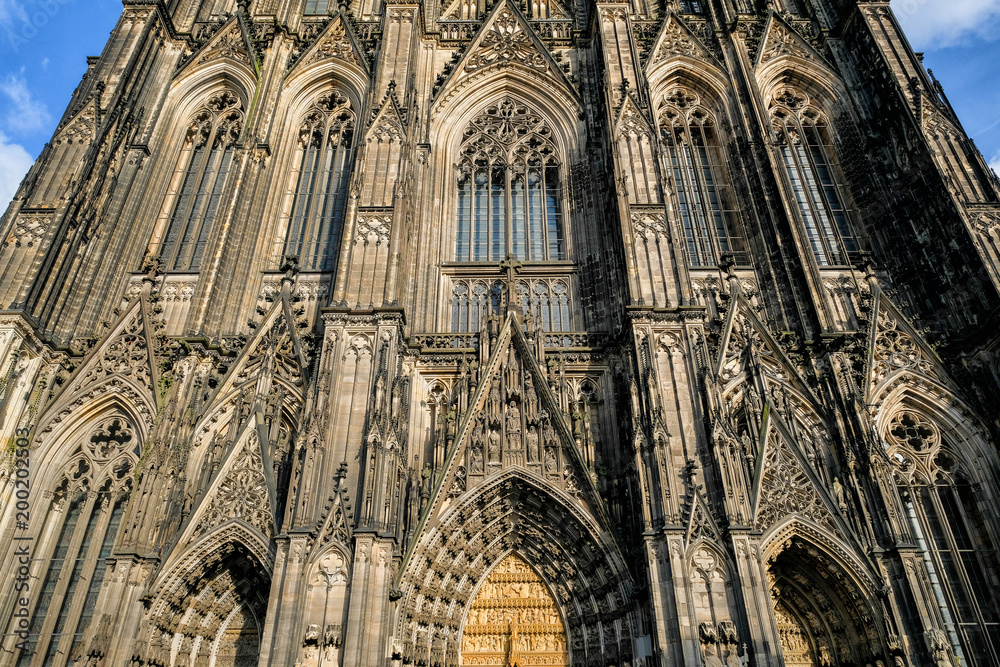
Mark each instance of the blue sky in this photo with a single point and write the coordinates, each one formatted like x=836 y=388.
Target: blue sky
x=44 y=44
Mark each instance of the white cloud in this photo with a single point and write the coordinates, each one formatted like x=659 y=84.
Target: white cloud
x=11 y=9
x=14 y=164
x=995 y=163
x=24 y=112
x=936 y=23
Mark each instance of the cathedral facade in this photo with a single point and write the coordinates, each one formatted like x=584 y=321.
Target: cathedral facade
x=406 y=333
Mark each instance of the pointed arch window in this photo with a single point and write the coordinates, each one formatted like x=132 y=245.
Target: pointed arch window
x=203 y=168
x=939 y=495
x=321 y=169
x=706 y=209
x=86 y=513
x=509 y=188
x=809 y=158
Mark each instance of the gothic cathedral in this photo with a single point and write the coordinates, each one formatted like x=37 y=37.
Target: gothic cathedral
x=510 y=333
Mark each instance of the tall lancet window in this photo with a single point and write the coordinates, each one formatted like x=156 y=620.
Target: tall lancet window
x=941 y=498
x=321 y=169
x=509 y=188
x=705 y=205
x=200 y=181
x=75 y=541
x=809 y=158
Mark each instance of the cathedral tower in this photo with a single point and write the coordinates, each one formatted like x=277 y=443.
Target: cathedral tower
x=406 y=333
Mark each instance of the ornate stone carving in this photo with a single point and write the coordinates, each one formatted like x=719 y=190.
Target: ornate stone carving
x=28 y=228
x=231 y=44
x=373 y=228
x=243 y=493
x=505 y=43
x=514 y=620
x=783 y=42
x=334 y=43
x=785 y=489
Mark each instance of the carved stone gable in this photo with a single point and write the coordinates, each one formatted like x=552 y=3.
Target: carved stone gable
x=334 y=42
x=676 y=40
x=126 y=352
x=785 y=488
x=243 y=491
x=895 y=348
x=506 y=42
x=782 y=41
x=514 y=422
x=230 y=43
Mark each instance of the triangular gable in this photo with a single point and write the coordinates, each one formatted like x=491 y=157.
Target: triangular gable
x=514 y=421
x=276 y=348
x=124 y=359
x=232 y=42
x=631 y=119
x=895 y=348
x=337 y=40
x=388 y=120
x=242 y=489
x=782 y=40
x=701 y=524
x=785 y=485
x=506 y=40
x=676 y=39
x=742 y=327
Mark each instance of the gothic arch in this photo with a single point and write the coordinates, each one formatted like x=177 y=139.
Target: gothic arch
x=305 y=83
x=961 y=427
x=823 y=88
x=514 y=511
x=194 y=600
x=448 y=126
x=826 y=606
x=703 y=78
x=55 y=441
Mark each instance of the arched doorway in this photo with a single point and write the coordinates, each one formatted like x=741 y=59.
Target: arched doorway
x=823 y=618
x=239 y=642
x=513 y=620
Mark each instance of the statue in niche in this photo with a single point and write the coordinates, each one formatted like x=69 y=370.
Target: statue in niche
x=495 y=403
x=548 y=433
x=513 y=426
x=551 y=465
x=531 y=437
x=530 y=398
x=476 y=460
x=494 y=445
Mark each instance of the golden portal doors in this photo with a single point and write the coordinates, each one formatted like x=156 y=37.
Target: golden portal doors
x=514 y=621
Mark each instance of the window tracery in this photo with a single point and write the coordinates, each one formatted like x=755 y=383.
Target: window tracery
x=712 y=225
x=199 y=180
x=509 y=188
x=86 y=511
x=319 y=182
x=804 y=140
x=935 y=485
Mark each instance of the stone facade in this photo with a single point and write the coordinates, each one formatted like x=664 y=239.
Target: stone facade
x=488 y=332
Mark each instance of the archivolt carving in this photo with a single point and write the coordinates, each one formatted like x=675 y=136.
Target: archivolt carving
x=513 y=513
